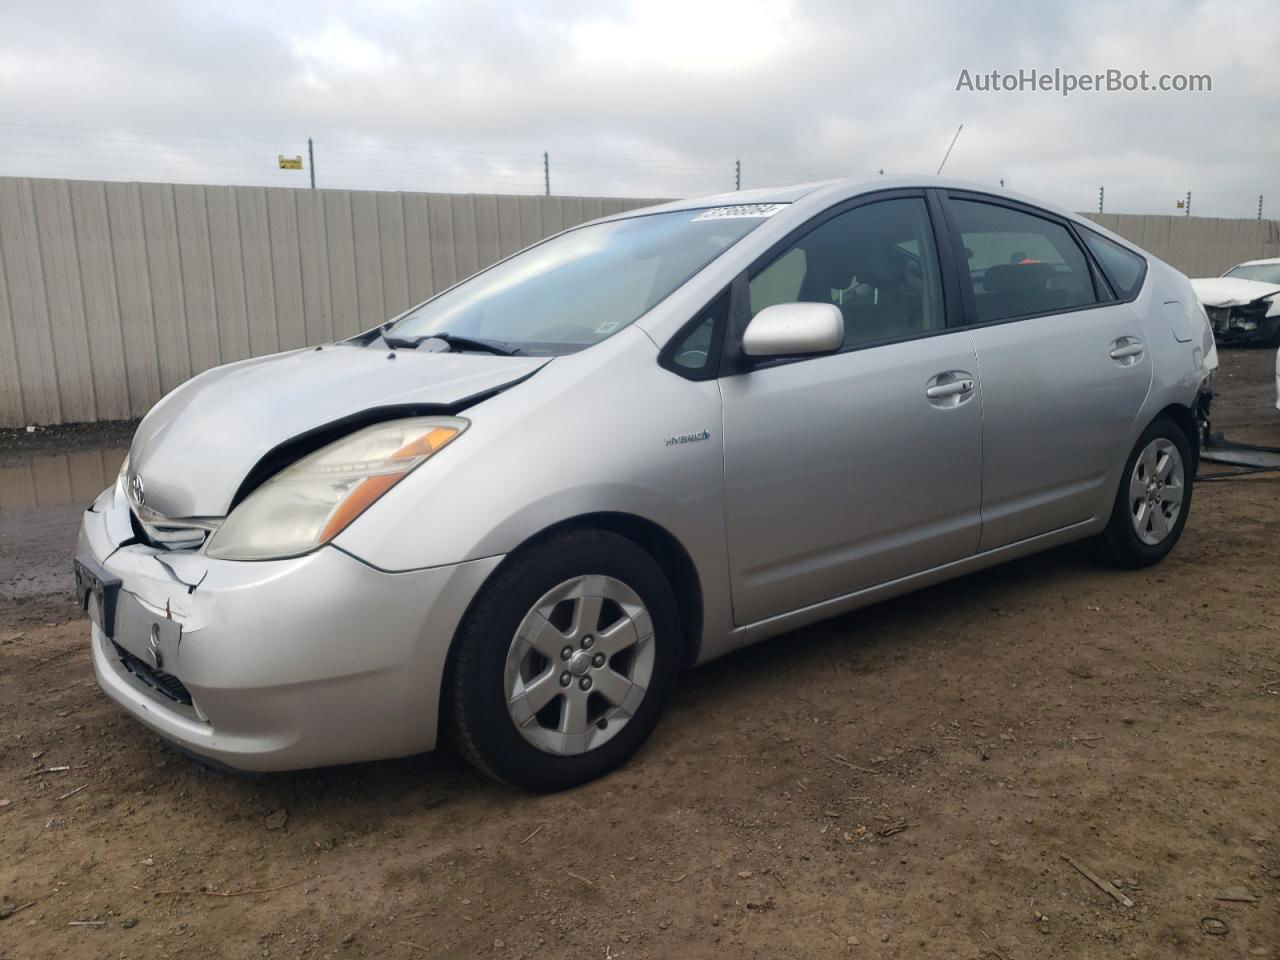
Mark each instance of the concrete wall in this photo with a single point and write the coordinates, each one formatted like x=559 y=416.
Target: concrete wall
x=111 y=294
x=1198 y=246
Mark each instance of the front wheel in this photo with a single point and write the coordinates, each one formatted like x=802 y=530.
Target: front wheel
x=1154 y=499
x=564 y=661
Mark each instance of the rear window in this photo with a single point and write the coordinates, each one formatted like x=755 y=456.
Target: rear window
x=1124 y=268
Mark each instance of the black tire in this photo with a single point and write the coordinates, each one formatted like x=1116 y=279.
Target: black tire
x=1119 y=543
x=475 y=682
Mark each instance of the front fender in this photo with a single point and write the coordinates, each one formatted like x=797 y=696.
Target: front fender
x=588 y=435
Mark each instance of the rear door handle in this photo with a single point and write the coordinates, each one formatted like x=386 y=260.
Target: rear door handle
x=1127 y=349
x=953 y=389
x=949 y=389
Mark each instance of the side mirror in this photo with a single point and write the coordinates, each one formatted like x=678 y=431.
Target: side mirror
x=791 y=329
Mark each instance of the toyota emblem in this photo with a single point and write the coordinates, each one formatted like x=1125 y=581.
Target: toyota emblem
x=136 y=490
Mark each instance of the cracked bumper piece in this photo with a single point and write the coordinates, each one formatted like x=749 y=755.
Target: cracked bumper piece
x=273 y=665
x=1247 y=323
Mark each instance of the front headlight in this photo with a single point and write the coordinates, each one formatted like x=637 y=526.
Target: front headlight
x=311 y=502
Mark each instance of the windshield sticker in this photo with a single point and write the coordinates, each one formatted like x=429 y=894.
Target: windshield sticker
x=607 y=327
x=740 y=210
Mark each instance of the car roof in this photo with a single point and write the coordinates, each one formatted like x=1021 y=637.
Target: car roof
x=787 y=194
x=801 y=203
x=1264 y=262
x=833 y=191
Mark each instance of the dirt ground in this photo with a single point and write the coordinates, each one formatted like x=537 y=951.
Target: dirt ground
x=901 y=782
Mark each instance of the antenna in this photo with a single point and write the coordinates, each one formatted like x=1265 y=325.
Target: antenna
x=948 y=153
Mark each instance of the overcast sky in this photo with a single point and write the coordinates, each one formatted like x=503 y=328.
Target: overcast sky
x=644 y=97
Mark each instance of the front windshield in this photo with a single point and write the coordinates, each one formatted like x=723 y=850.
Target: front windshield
x=578 y=288
x=1266 y=272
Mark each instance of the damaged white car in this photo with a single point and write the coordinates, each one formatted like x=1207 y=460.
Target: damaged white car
x=1244 y=303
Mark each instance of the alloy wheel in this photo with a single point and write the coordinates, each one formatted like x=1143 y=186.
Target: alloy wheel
x=579 y=665
x=1156 y=489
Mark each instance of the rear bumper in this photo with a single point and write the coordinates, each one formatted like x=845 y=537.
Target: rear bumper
x=286 y=664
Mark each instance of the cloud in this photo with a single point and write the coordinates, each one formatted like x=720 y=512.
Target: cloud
x=643 y=97
x=341 y=50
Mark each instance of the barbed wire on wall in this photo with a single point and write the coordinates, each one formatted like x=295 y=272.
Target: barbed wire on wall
x=48 y=150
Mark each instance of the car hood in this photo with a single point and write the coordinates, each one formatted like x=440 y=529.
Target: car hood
x=196 y=446
x=1232 y=291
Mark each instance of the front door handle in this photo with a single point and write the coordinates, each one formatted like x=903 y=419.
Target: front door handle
x=950 y=389
x=1127 y=350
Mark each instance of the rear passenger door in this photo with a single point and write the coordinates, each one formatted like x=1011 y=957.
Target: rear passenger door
x=1063 y=366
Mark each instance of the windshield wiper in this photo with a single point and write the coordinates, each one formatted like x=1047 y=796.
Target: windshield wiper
x=456 y=342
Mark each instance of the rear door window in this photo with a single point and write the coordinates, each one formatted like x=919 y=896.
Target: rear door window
x=1019 y=264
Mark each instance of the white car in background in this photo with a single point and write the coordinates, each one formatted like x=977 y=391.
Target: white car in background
x=1243 y=304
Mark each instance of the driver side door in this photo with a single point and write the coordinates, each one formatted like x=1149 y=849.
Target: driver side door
x=847 y=470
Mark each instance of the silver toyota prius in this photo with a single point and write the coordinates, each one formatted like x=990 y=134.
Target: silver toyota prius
x=517 y=511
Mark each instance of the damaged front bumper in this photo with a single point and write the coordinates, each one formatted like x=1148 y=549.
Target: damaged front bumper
x=270 y=665
x=1244 y=323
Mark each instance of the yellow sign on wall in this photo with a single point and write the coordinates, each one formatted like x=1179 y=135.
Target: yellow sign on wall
x=290 y=163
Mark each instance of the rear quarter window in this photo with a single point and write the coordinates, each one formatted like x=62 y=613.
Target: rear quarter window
x=1124 y=268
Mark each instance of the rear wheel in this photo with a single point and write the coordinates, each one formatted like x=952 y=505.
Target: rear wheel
x=563 y=664
x=1154 y=498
